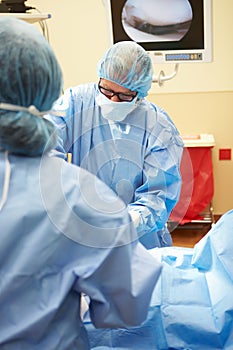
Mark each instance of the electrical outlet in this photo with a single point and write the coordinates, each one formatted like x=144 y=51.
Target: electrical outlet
x=225 y=154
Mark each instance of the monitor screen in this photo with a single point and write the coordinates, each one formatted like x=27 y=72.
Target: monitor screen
x=169 y=30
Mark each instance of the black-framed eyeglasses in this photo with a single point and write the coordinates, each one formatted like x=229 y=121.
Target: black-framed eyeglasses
x=122 y=97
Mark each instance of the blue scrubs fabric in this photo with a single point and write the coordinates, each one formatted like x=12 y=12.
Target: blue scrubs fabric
x=138 y=158
x=64 y=232
x=191 y=306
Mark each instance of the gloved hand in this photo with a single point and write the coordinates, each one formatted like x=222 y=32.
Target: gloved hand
x=135 y=217
x=84 y=306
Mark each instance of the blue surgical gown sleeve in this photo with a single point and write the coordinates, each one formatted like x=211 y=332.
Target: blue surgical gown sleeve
x=108 y=311
x=160 y=189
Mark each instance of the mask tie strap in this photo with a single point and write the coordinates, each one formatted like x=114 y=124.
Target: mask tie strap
x=6 y=181
x=31 y=109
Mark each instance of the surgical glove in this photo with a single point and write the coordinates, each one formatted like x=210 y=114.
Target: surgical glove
x=135 y=216
x=84 y=306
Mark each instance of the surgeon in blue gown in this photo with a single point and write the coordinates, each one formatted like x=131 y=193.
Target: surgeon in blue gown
x=63 y=232
x=191 y=306
x=113 y=131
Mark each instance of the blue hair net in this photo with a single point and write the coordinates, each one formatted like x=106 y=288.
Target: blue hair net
x=126 y=63
x=30 y=75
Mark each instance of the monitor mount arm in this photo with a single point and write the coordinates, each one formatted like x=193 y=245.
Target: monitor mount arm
x=161 y=77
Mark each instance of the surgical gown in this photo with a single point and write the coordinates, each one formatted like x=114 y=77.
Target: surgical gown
x=138 y=158
x=191 y=306
x=64 y=232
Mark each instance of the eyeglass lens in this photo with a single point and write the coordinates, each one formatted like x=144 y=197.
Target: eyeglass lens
x=121 y=96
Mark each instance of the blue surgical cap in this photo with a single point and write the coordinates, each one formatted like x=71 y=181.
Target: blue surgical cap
x=30 y=75
x=127 y=64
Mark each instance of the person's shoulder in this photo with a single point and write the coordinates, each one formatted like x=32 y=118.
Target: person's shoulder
x=157 y=109
x=155 y=114
x=81 y=96
x=79 y=179
x=82 y=89
x=160 y=113
x=151 y=108
x=159 y=122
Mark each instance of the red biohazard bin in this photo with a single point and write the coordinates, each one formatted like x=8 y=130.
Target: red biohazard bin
x=197 y=181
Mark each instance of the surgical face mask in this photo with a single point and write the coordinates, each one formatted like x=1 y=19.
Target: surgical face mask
x=115 y=111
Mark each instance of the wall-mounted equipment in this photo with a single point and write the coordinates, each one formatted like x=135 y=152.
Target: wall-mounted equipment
x=14 y=6
x=172 y=31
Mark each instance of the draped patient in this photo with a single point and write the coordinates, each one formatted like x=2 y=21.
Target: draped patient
x=192 y=304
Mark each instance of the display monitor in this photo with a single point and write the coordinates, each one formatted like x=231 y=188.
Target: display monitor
x=169 y=30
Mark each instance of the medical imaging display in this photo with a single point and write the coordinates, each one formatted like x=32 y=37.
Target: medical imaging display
x=156 y=20
x=159 y=24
